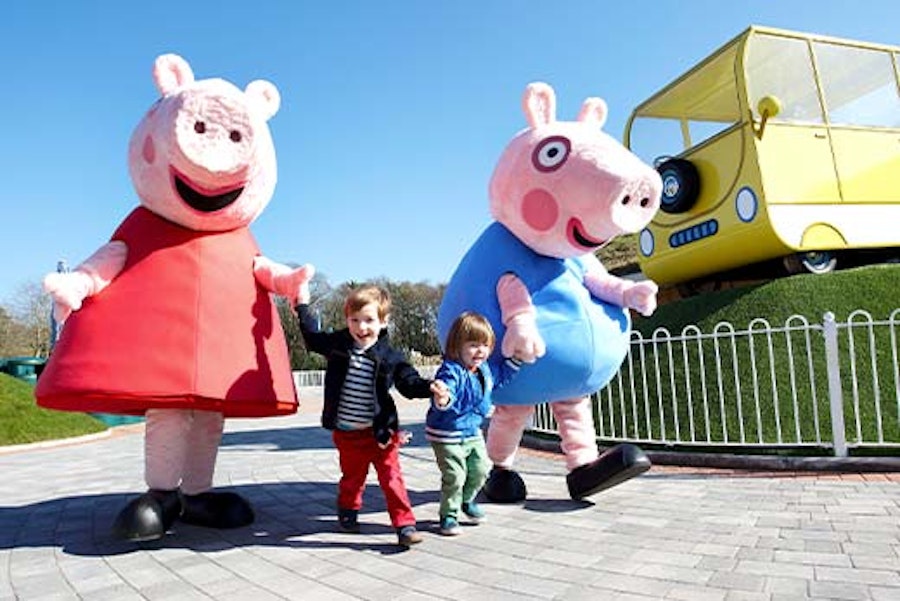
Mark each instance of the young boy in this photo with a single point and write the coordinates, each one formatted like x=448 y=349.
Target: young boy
x=359 y=409
x=453 y=424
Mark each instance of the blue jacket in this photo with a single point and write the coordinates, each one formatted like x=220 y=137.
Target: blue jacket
x=470 y=400
x=586 y=338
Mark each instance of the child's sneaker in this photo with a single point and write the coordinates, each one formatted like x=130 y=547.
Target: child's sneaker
x=473 y=510
x=348 y=520
x=408 y=536
x=450 y=527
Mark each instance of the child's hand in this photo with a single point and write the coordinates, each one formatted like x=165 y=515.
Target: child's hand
x=441 y=393
x=404 y=436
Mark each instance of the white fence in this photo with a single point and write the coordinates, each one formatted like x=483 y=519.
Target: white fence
x=317 y=377
x=827 y=387
x=820 y=387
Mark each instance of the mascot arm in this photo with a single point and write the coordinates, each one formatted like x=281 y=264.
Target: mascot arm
x=293 y=284
x=68 y=290
x=521 y=339
x=640 y=296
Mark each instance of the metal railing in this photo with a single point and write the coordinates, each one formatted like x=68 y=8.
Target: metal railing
x=317 y=377
x=825 y=387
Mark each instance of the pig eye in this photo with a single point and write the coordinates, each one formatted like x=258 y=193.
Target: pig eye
x=235 y=135
x=199 y=127
x=551 y=153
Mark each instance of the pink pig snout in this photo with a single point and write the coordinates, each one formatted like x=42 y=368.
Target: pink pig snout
x=215 y=140
x=638 y=201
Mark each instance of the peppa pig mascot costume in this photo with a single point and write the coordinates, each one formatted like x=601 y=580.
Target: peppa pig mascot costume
x=173 y=319
x=560 y=191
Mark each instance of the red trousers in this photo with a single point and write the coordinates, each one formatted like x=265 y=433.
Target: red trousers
x=357 y=449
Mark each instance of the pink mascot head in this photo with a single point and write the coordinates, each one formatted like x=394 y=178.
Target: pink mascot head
x=203 y=157
x=566 y=188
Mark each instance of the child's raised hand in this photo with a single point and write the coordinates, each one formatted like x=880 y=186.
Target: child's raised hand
x=404 y=436
x=441 y=393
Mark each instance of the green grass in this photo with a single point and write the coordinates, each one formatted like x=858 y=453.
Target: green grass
x=875 y=288
x=22 y=421
x=674 y=393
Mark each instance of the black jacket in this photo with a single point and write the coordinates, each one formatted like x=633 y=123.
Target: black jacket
x=391 y=369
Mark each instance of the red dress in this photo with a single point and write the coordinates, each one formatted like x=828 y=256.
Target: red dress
x=183 y=326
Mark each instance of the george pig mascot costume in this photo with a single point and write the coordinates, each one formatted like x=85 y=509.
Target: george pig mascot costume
x=560 y=191
x=172 y=318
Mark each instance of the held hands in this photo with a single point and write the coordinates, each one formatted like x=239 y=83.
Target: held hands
x=522 y=339
x=641 y=297
x=292 y=284
x=441 y=394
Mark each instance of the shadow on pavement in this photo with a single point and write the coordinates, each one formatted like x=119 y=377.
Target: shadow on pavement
x=286 y=514
x=300 y=439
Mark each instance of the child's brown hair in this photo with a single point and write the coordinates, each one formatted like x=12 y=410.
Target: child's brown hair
x=468 y=327
x=362 y=296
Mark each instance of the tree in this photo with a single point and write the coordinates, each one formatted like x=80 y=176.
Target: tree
x=12 y=335
x=413 y=323
x=414 y=316
x=25 y=323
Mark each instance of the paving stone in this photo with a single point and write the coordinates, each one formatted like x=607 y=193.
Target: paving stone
x=671 y=534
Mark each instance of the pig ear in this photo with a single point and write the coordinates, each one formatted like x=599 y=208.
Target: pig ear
x=593 y=110
x=264 y=97
x=539 y=104
x=171 y=72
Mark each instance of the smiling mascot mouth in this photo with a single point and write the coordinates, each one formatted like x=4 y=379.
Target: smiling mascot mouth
x=206 y=203
x=578 y=237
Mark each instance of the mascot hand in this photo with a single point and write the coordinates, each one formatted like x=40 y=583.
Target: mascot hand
x=641 y=297
x=68 y=291
x=298 y=282
x=292 y=284
x=522 y=339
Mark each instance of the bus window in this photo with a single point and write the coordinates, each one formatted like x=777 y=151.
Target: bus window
x=782 y=67
x=652 y=139
x=859 y=85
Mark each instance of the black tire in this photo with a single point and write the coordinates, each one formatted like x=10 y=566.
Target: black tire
x=681 y=185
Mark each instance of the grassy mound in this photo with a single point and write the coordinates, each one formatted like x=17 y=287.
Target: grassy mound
x=873 y=288
x=22 y=421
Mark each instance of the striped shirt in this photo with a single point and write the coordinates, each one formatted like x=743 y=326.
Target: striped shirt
x=356 y=408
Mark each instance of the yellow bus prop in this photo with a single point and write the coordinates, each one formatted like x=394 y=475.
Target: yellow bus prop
x=778 y=146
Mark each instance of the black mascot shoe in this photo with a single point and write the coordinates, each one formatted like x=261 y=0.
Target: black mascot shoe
x=149 y=516
x=620 y=463
x=505 y=486
x=217 y=510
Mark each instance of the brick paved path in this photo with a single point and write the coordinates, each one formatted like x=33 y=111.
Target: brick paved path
x=670 y=534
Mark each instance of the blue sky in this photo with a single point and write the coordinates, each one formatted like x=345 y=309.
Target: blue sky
x=393 y=112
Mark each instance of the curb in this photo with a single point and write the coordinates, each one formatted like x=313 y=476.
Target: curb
x=748 y=462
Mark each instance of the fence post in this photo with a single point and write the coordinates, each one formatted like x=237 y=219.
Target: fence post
x=835 y=391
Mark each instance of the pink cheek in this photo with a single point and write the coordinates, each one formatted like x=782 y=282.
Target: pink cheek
x=149 y=150
x=540 y=210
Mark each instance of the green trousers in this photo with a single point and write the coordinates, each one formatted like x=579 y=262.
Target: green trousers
x=464 y=468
